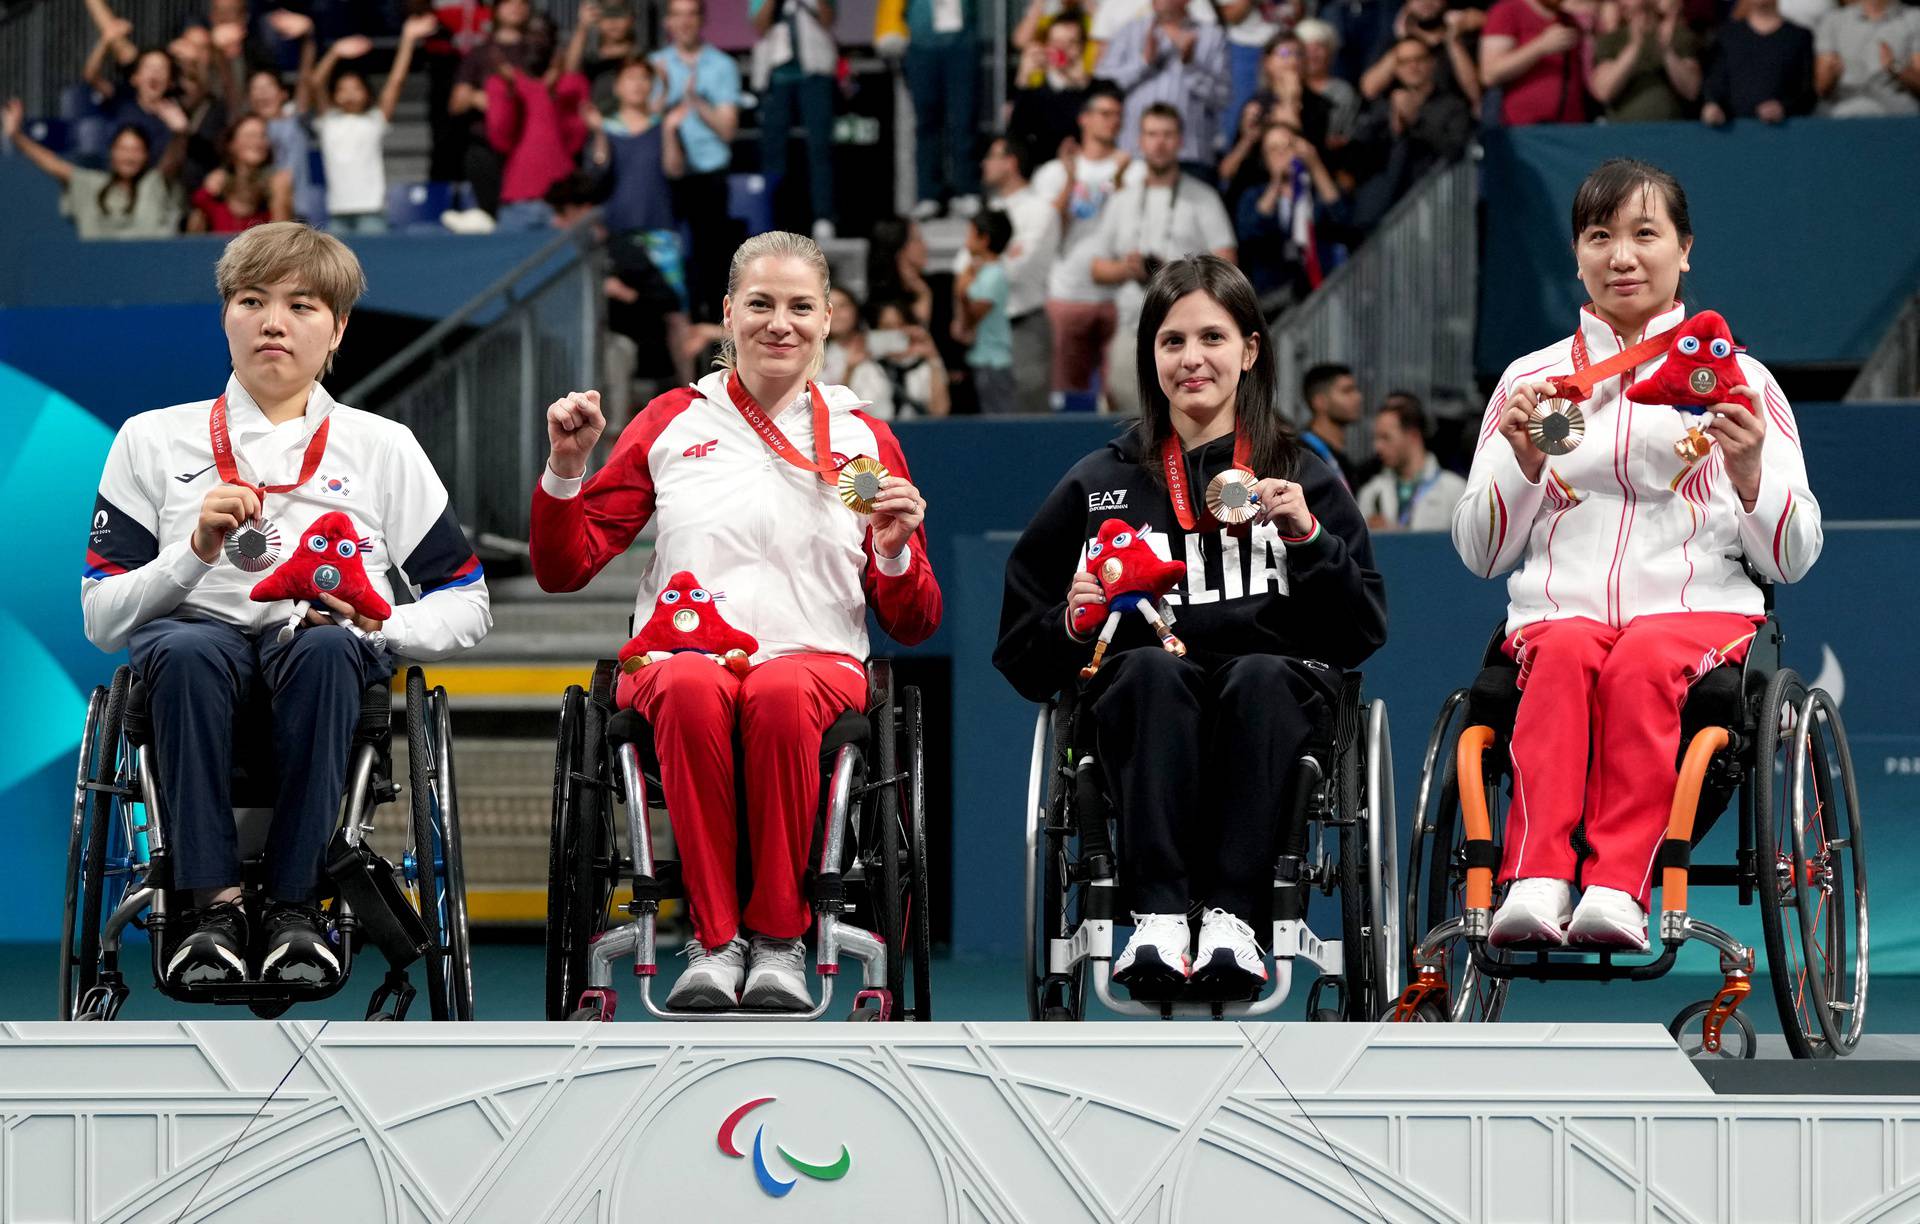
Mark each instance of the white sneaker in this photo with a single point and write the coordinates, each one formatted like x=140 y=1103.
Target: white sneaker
x=1536 y=911
x=711 y=980
x=1157 y=952
x=467 y=221
x=776 y=975
x=823 y=231
x=1228 y=954
x=1608 y=918
x=925 y=210
x=964 y=206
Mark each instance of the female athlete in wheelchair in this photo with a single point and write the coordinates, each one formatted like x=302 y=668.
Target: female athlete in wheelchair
x=1199 y=707
x=782 y=497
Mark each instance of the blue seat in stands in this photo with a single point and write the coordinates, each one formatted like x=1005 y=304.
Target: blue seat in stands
x=750 y=202
x=417 y=207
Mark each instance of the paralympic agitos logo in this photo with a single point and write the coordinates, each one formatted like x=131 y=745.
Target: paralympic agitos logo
x=774 y=1187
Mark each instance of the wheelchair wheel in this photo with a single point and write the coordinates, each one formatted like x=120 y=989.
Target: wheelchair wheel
x=439 y=880
x=1363 y=997
x=87 y=847
x=1811 y=866
x=1437 y=871
x=580 y=869
x=919 y=932
x=889 y=906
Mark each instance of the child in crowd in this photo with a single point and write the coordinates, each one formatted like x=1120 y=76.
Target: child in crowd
x=980 y=312
x=353 y=133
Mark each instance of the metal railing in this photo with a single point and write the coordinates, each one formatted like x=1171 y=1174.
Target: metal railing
x=478 y=406
x=1893 y=371
x=1400 y=312
x=44 y=45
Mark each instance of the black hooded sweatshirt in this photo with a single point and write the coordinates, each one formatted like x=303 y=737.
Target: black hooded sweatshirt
x=1249 y=593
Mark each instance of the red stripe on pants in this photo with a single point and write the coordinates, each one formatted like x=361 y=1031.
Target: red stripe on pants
x=1583 y=683
x=781 y=709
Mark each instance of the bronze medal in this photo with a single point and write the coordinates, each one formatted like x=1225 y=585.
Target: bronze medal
x=254 y=547
x=860 y=484
x=1230 y=498
x=1556 y=427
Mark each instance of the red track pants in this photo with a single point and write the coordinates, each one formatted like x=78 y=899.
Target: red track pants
x=781 y=709
x=1599 y=721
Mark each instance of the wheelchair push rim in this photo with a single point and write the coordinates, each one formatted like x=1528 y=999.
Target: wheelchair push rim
x=433 y=859
x=579 y=837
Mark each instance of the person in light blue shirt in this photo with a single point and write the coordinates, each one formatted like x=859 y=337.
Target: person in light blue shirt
x=943 y=75
x=980 y=313
x=703 y=83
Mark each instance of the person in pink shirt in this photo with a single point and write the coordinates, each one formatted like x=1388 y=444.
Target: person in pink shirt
x=1536 y=55
x=534 y=121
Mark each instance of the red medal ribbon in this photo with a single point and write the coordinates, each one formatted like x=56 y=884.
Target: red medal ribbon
x=230 y=470
x=1585 y=378
x=776 y=441
x=1173 y=463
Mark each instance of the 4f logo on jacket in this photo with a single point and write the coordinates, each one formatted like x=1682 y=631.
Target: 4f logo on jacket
x=700 y=450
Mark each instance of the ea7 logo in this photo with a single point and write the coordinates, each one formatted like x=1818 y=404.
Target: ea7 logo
x=1112 y=499
x=700 y=450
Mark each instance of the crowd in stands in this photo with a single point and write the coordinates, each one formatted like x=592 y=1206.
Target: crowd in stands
x=1275 y=133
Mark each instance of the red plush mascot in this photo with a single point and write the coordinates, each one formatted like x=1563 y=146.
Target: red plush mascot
x=1133 y=578
x=1700 y=370
x=326 y=560
x=685 y=618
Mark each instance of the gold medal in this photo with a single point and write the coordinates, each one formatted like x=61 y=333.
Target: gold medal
x=1111 y=571
x=686 y=620
x=1230 y=496
x=1693 y=447
x=1556 y=426
x=860 y=484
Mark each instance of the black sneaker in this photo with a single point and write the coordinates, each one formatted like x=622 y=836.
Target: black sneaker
x=297 y=949
x=214 y=949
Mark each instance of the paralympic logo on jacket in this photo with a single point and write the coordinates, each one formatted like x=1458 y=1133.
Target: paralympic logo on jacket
x=775 y=1187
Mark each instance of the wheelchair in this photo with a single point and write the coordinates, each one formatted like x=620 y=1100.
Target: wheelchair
x=1752 y=730
x=1342 y=786
x=119 y=865
x=868 y=887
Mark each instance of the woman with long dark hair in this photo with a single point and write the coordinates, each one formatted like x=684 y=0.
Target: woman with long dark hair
x=1627 y=582
x=1197 y=748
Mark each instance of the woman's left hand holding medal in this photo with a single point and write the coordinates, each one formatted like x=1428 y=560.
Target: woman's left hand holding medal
x=897 y=514
x=225 y=509
x=1284 y=504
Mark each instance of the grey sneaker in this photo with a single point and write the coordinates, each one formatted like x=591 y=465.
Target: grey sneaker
x=711 y=980
x=776 y=975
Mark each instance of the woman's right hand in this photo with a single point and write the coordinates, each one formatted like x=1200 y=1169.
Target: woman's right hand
x=1513 y=425
x=574 y=426
x=1085 y=590
x=225 y=509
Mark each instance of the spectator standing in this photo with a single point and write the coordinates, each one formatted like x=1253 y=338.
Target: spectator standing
x=1333 y=404
x=1762 y=68
x=1168 y=58
x=1283 y=99
x=1364 y=26
x=897 y=267
x=943 y=75
x=1051 y=85
x=1079 y=184
x=1276 y=220
x=1647 y=68
x=536 y=128
x=610 y=23
x=1448 y=33
x=848 y=362
x=793 y=67
x=912 y=363
x=703 y=84
x=1534 y=53
x=246 y=190
x=506 y=46
x=1867 y=60
x=980 y=313
x=1035 y=240
x=1249 y=28
x=1319 y=46
x=352 y=131
x=135 y=94
x=1411 y=492
x=131 y=198
x=1406 y=133
x=1163 y=216
x=267 y=96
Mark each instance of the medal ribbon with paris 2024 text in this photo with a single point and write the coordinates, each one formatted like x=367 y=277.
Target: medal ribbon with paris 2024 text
x=1585 y=378
x=776 y=441
x=1173 y=462
x=230 y=470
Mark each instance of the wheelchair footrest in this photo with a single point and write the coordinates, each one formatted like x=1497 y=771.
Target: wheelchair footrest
x=371 y=886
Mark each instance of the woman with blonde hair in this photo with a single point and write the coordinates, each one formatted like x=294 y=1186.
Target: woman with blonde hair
x=739 y=472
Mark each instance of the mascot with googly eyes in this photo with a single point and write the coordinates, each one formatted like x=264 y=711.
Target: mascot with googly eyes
x=1700 y=371
x=1133 y=578
x=686 y=617
x=328 y=561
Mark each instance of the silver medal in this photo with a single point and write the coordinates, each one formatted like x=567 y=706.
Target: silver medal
x=255 y=546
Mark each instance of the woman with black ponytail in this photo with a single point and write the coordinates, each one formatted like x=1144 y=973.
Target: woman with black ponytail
x=1198 y=747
